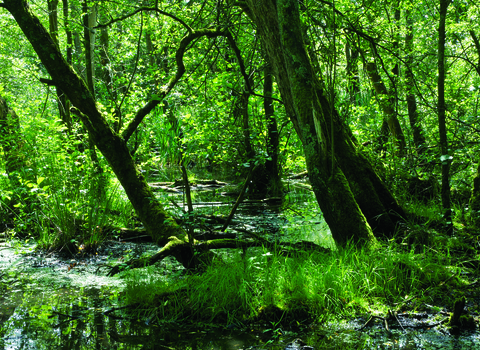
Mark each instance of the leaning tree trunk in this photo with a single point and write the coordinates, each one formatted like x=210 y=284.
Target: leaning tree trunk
x=341 y=176
x=156 y=221
x=301 y=92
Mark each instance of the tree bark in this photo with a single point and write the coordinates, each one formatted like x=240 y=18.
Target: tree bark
x=12 y=142
x=418 y=137
x=274 y=186
x=279 y=26
x=156 y=221
x=341 y=176
x=442 y=129
x=387 y=103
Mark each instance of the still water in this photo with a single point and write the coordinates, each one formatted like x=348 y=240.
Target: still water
x=50 y=302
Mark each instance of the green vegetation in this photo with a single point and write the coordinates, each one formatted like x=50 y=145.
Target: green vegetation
x=121 y=121
x=296 y=288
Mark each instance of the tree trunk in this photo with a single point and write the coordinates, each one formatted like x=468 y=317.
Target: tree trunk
x=11 y=140
x=339 y=197
x=279 y=26
x=156 y=221
x=474 y=205
x=274 y=182
x=442 y=129
x=418 y=137
x=61 y=98
x=353 y=79
x=89 y=21
x=387 y=103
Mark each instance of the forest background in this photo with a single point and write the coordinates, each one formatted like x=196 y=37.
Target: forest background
x=378 y=100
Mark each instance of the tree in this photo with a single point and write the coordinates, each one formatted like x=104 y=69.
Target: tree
x=345 y=185
x=445 y=157
x=157 y=222
x=12 y=143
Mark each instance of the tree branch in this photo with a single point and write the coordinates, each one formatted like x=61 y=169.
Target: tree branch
x=140 y=9
x=165 y=90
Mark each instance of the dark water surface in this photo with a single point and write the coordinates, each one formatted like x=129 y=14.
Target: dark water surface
x=50 y=302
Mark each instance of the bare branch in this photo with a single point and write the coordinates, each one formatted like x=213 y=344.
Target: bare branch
x=140 y=9
x=165 y=90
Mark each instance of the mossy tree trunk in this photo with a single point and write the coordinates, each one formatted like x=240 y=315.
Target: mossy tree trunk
x=156 y=221
x=442 y=126
x=345 y=184
x=279 y=26
x=387 y=103
x=11 y=140
x=274 y=182
x=474 y=205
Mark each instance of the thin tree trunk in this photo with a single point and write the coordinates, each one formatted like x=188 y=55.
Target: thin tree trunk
x=274 y=187
x=240 y=111
x=89 y=21
x=387 y=103
x=418 y=137
x=442 y=129
x=61 y=98
x=352 y=73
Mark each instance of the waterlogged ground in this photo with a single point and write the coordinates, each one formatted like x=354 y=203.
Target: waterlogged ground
x=52 y=302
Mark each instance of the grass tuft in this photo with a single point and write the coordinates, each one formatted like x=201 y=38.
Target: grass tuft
x=312 y=286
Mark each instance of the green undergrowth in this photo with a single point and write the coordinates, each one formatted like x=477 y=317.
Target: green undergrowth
x=305 y=287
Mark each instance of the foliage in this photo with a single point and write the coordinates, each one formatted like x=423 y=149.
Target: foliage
x=317 y=286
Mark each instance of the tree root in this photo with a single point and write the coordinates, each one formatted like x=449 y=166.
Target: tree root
x=199 y=256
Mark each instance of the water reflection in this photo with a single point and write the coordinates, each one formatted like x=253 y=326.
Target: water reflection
x=62 y=308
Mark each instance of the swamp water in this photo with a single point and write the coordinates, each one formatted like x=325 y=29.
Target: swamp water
x=50 y=302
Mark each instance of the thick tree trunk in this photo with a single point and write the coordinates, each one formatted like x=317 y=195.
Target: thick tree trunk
x=442 y=129
x=341 y=177
x=156 y=221
x=279 y=26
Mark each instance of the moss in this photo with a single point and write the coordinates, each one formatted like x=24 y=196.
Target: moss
x=474 y=207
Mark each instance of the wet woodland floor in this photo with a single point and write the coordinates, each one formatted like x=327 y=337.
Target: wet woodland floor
x=50 y=301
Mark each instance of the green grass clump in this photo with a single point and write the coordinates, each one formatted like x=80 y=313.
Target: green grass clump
x=315 y=285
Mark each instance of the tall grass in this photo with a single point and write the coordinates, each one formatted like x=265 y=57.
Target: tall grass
x=315 y=285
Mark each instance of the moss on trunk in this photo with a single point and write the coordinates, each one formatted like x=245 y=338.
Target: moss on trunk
x=156 y=221
x=474 y=206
